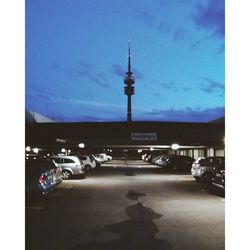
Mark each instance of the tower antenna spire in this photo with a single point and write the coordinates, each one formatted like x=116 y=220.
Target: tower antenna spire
x=129 y=59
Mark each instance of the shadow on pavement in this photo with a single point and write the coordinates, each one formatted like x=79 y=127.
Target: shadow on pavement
x=137 y=232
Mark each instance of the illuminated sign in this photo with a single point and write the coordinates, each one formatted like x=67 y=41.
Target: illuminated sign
x=143 y=137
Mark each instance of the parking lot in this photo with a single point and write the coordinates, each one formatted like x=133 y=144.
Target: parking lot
x=128 y=204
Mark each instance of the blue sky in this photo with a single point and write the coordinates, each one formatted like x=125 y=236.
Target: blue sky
x=76 y=58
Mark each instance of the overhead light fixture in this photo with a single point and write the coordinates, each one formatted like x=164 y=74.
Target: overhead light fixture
x=35 y=150
x=81 y=145
x=139 y=150
x=151 y=149
x=63 y=150
x=28 y=148
x=175 y=146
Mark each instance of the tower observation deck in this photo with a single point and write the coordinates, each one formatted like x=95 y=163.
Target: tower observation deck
x=129 y=81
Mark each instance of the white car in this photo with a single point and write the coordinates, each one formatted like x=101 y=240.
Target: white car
x=104 y=157
x=88 y=161
x=70 y=165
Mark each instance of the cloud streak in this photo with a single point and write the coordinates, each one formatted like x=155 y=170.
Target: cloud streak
x=210 y=86
x=83 y=69
x=121 y=72
x=187 y=114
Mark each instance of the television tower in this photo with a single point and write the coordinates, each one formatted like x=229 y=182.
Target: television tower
x=129 y=80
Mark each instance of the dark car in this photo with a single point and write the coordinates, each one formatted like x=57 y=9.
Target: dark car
x=203 y=168
x=178 y=162
x=39 y=178
x=218 y=179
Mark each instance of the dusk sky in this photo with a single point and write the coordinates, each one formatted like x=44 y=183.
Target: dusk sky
x=76 y=58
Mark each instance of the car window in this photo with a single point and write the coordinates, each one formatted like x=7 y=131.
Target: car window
x=68 y=161
x=83 y=158
x=57 y=160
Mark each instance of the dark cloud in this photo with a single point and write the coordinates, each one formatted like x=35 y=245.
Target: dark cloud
x=83 y=69
x=158 y=96
x=211 y=17
x=211 y=86
x=118 y=70
x=148 y=18
x=187 y=114
x=170 y=85
x=121 y=71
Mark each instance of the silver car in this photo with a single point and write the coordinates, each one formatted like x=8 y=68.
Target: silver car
x=202 y=168
x=70 y=165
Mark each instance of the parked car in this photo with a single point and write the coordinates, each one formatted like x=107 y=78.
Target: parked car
x=57 y=172
x=178 y=162
x=70 y=165
x=203 y=168
x=161 y=161
x=97 y=160
x=88 y=161
x=104 y=157
x=156 y=158
x=218 y=178
x=38 y=177
x=150 y=157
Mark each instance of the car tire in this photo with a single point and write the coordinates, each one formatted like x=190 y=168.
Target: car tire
x=197 y=179
x=207 y=178
x=66 y=174
x=87 y=167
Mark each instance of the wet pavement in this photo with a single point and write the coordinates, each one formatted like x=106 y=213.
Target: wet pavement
x=128 y=205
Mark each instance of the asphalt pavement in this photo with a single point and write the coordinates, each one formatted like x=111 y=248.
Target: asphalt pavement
x=128 y=205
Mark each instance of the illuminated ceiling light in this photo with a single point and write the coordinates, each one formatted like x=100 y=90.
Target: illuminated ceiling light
x=63 y=150
x=69 y=151
x=28 y=148
x=151 y=149
x=35 y=150
x=175 y=146
x=81 y=145
x=139 y=150
x=48 y=154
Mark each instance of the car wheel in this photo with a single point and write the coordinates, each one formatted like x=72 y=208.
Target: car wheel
x=66 y=175
x=197 y=179
x=207 y=178
x=87 y=167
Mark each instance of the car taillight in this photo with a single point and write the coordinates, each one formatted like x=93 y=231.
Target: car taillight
x=41 y=178
x=222 y=172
